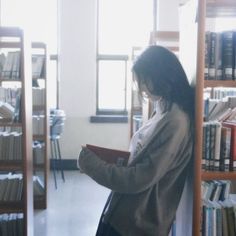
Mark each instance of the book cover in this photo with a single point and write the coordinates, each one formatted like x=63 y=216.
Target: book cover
x=232 y=126
x=109 y=155
x=212 y=60
x=225 y=146
x=227 y=55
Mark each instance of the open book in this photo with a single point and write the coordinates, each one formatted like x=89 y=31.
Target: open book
x=109 y=155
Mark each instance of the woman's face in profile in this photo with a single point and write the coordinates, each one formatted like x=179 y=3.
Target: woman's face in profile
x=145 y=87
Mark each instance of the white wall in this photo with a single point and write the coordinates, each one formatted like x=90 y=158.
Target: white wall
x=78 y=80
x=168 y=14
x=78 y=75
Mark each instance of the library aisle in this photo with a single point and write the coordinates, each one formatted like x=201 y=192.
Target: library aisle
x=73 y=209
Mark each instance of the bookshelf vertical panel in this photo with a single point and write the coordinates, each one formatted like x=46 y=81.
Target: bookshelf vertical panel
x=199 y=116
x=27 y=132
x=41 y=202
x=24 y=165
x=204 y=9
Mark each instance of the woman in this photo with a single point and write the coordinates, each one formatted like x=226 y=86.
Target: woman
x=145 y=194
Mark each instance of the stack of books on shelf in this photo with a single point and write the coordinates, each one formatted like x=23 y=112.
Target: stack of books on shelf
x=38 y=152
x=219 y=129
x=38 y=187
x=38 y=124
x=219 y=208
x=38 y=96
x=9 y=95
x=220 y=63
x=10 y=146
x=12 y=224
x=11 y=187
x=10 y=66
x=38 y=63
x=7 y=111
x=2 y=62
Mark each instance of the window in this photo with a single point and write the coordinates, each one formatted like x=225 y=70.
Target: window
x=122 y=24
x=39 y=18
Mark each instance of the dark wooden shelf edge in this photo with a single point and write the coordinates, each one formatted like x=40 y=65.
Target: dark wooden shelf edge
x=219 y=83
x=218 y=175
x=10 y=165
x=11 y=207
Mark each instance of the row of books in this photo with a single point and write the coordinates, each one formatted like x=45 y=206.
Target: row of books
x=38 y=124
x=220 y=109
x=10 y=65
x=219 y=218
x=10 y=146
x=215 y=190
x=38 y=152
x=218 y=208
x=11 y=187
x=7 y=111
x=38 y=63
x=220 y=62
x=38 y=187
x=9 y=95
x=12 y=224
x=219 y=146
x=219 y=92
x=38 y=96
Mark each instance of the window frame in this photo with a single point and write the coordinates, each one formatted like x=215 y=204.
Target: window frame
x=113 y=113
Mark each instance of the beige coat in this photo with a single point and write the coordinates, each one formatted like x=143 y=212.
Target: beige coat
x=147 y=192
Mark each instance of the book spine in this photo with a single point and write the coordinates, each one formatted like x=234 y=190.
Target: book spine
x=207 y=145
x=234 y=53
x=225 y=148
x=212 y=145
x=227 y=55
x=218 y=55
x=207 y=55
x=212 y=62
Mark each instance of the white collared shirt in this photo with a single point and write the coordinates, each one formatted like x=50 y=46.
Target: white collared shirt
x=141 y=136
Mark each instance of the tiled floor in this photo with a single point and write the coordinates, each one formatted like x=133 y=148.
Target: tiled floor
x=73 y=209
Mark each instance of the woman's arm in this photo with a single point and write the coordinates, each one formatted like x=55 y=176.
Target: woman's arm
x=154 y=164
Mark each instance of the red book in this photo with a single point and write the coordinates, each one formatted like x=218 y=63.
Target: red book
x=232 y=126
x=109 y=155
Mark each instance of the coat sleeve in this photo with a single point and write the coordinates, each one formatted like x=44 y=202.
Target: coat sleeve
x=153 y=165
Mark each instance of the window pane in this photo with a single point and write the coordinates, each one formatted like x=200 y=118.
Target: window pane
x=111 y=85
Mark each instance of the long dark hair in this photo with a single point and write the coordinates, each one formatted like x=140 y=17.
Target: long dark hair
x=160 y=67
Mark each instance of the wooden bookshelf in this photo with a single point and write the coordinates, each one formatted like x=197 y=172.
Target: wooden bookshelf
x=11 y=37
x=193 y=58
x=40 y=49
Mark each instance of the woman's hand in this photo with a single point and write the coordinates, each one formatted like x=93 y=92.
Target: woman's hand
x=85 y=153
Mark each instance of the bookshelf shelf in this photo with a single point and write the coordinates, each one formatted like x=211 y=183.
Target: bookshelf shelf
x=12 y=207
x=39 y=49
x=10 y=44
x=9 y=80
x=11 y=165
x=9 y=124
x=192 y=54
x=207 y=175
x=219 y=83
x=12 y=37
x=38 y=137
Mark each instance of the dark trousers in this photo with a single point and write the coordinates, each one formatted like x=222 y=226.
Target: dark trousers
x=105 y=229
